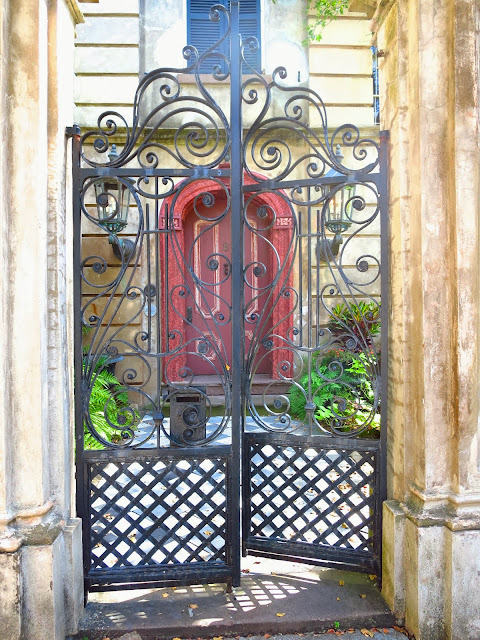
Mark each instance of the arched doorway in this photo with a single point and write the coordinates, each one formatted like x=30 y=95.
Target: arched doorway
x=199 y=260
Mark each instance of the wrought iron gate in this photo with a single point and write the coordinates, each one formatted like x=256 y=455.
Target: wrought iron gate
x=228 y=328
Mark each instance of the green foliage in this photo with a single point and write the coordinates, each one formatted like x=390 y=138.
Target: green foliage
x=349 y=394
x=107 y=396
x=362 y=319
x=324 y=12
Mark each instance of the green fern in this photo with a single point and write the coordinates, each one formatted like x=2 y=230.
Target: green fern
x=106 y=392
x=353 y=386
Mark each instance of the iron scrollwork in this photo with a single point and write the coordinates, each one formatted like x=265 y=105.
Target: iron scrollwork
x=324 y=362
x=292 y=273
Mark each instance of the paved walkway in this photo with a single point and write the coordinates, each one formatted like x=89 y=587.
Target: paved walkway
x=275 y=598
x=351 y=634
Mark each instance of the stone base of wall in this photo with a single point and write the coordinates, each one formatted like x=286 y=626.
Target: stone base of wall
x=42 y=589
x=431 y=564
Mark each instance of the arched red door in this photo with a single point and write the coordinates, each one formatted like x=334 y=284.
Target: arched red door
x=196 y=288
x=208 y=248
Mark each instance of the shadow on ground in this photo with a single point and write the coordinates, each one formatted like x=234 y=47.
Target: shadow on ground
x=275 y=597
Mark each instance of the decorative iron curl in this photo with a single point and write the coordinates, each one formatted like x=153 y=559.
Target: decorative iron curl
x=173 y=102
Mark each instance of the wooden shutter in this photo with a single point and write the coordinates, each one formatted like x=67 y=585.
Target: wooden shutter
x=250 y=26
x=201 y=32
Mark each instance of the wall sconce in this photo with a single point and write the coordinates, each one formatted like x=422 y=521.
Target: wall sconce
x=336 y=205
x=113 y=201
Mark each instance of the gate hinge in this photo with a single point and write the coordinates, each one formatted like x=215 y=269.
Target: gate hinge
x=72 y=131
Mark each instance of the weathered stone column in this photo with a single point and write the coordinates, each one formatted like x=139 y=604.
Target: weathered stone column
x=432 y=519
x=40 y=543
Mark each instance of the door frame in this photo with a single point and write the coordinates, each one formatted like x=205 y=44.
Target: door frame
x=173 y=213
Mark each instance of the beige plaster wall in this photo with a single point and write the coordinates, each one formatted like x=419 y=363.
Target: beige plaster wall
x=39 y=539
x=116 y=45
x=430 y=105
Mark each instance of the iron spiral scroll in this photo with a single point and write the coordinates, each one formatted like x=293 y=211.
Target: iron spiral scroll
x=177 y=149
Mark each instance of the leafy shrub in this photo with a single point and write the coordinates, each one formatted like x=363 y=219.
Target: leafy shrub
x=349 y=395
x=107 y=396
x=362 y=320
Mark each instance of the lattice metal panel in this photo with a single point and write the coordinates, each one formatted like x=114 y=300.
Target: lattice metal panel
x=313 y=495
x=151 y=512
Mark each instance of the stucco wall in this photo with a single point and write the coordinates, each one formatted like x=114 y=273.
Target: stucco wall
x=40 y=550
x=120 y=41
x=432 y=523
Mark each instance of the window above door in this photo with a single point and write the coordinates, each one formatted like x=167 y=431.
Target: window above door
x=202 y=33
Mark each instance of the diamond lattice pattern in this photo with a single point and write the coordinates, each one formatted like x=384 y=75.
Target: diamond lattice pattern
x=313 y=495
x=152 y=512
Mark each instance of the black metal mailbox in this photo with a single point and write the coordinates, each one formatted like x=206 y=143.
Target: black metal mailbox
x=188 y=415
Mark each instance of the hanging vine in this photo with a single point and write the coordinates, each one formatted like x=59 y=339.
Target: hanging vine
x=324 y=11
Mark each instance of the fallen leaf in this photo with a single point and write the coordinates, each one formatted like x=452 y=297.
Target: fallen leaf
x=338 y=598
x=173 y=589
x=176 y=639
x=245 y=570
x=400 y=629
x=164 y=595
x=280 y=615
x=331 y=631
x=341 y=582
x=267 y=635
x=193 y=606
x=367 y=633
x=372 y=576
x=217 y=637
x=385 y=631
x=363 y=595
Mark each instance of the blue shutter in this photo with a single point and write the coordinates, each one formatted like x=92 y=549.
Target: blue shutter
x=250 y=26
x=201 y=32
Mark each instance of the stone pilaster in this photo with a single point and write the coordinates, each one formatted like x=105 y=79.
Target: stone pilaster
x=40 y=546
x=432 y=519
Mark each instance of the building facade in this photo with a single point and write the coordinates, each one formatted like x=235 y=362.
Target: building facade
x=429 y=103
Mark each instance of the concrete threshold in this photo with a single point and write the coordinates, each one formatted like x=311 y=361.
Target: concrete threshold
x=275 y=597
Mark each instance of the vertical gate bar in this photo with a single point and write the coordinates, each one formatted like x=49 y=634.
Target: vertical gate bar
x=300 y=270
x=237 y=364
x=149 y=279
x=309 y=277
x=158 y=298
x=166 y=279
x=246 y=494
x=317 y=253
x=81 y=497
x=384 y=314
